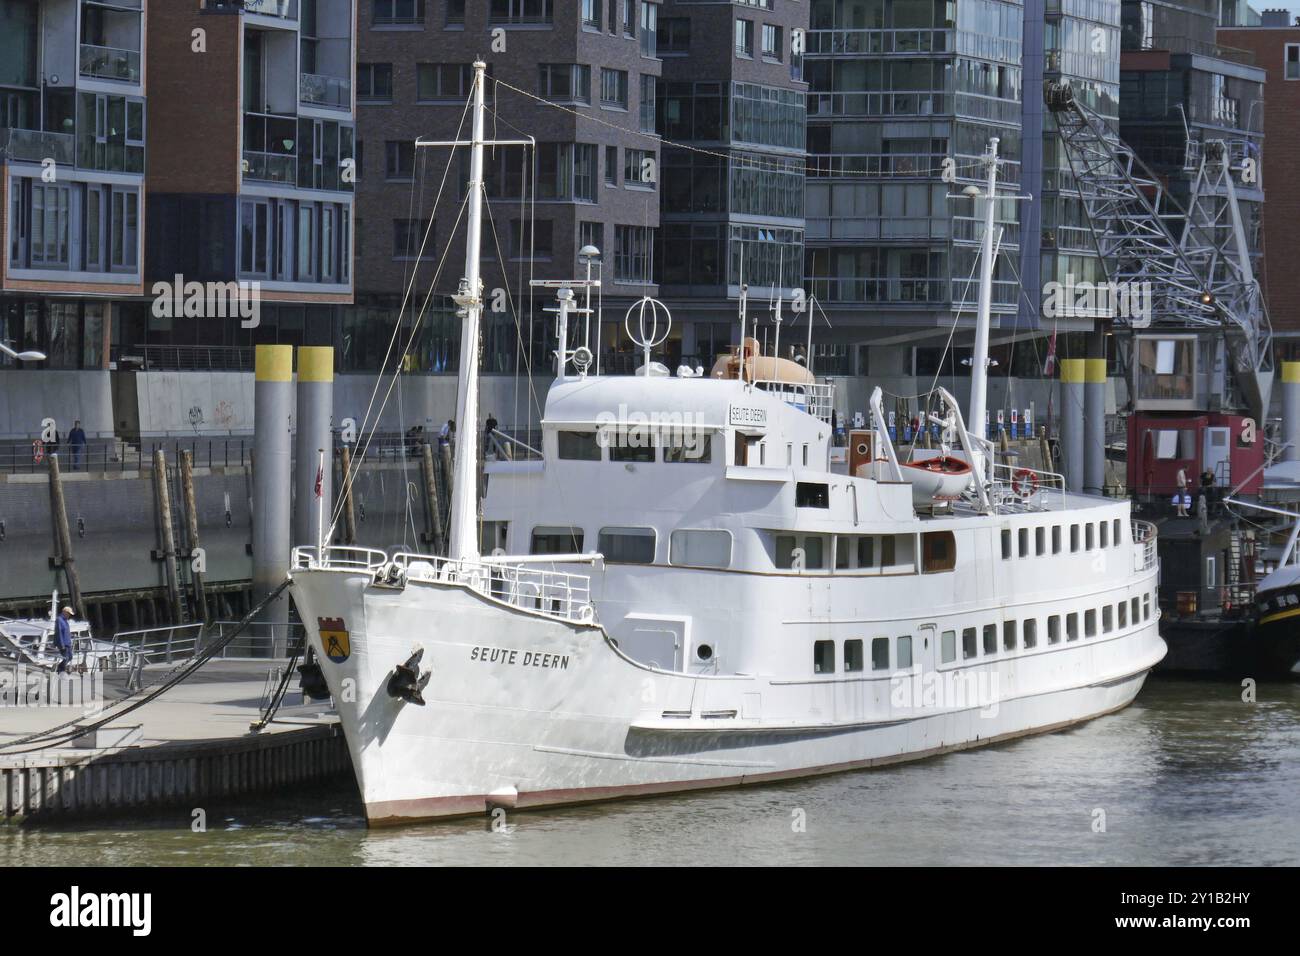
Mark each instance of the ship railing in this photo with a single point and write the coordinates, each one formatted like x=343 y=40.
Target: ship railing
x=817 y=399
x=340 y=557
x=1144 y=545
x=554 y=593
x=1017 y=489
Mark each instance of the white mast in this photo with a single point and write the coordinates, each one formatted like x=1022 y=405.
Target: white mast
x=980 y=360
x=463 y=543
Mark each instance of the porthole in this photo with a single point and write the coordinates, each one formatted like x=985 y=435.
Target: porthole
x=704 y=652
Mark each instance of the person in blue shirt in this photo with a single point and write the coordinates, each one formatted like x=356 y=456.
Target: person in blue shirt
x=63 y=636
x=77 y=441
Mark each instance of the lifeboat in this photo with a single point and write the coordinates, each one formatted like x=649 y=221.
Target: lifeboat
x=943 y=477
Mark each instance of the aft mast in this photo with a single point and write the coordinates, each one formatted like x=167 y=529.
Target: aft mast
x=980 y=359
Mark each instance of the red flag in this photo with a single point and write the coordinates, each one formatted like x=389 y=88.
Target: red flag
x=1049 y=368
x=320 y=480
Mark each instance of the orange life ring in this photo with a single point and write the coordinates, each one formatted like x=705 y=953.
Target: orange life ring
x=1024 y=483
x=38 y=451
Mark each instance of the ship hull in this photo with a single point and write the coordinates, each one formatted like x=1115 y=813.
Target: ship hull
x=525 y=710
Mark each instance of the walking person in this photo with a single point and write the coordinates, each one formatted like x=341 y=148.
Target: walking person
x=77 y=442
x=447 y=432
x=63 y=637
x=489 y=429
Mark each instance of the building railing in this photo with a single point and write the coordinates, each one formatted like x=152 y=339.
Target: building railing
x=923 y=165
x=102 y=456
x=284 y=9
x=320 y=90
x=187 y=358
x=270 y=167
x=110 y=63
x=923 y=103
x=830 y=42
x=1144 y=545
x=35 y=146
x=816 y=399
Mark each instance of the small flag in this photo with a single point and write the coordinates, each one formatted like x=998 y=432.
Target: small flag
x=1049 y=367
x=320 y=479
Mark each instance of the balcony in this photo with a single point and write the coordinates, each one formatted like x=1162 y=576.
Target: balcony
x=34 y=146
x=283 y=9
x=270 y=167
x=109 y=63
x=331 y=91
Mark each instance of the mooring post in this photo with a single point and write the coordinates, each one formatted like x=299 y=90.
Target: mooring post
x=272 y=450
x=166 y=530
x=192 y=529
x=63 y=539
x=315 y=408
x=444 y=453
x=1094 y=415
x=1072 y=440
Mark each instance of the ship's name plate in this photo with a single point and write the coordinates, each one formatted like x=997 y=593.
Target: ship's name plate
x=512 y=655
x=746 y=415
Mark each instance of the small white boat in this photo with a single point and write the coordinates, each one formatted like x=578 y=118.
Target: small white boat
x=32 y=641
x=941 y=478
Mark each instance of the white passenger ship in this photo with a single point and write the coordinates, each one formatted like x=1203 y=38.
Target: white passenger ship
x=696 y=598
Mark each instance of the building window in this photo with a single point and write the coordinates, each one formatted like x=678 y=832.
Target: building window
x=444 y=81
x=534 y=243
x=399 y=11
x=374 y=82
x=673 y=37
x=455 y=12
x=564 y=82
x=1293 y=61
x=649 y=27
x=254 y=237
x=400 y=160
x=771 y=42
x=584 y=172
x=628 y=545
x=613 y=88
x=591 y=14
x=639 y=169
x=745 y=38
x=591 y=234
x=853 y=655
x=632 y=253
x=629 y=18
x=611 y=165
x=521 y=11
x=647 y=110
x=409 y=237
x=823 y=657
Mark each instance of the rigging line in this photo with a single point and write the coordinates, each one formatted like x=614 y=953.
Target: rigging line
x=759 y=164
x=337 y=510
x=409 y=285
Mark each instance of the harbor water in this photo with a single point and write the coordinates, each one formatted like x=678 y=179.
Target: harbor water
x=1191 y=774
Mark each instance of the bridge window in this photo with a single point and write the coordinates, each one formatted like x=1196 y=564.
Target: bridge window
x=880 y=654
x=853 y=655
x=811 y=494
x=631 y=444
x=824 y=657
x=813 y=551
x=578 y=446
x=550 y=540
x=691 y=447
x=700 y=549
x=939 y=550
x=628 y=545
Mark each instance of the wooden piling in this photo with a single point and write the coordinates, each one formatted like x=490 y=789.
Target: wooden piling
x=435 y=531
x=163 y=505
x=192 y=529
x=349 y=514
x=63 y=539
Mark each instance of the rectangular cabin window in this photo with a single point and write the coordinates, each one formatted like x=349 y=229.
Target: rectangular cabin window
x=811 y=494
x=940 y=551
x=968 y=649
x=1146 y=607
x=823 y=657
x=904 y=652
x=631 y=444
x=948 y=645
x=853 y=655
x=628 y=545
x=898 y=552
x=578 y=446
x=843 y=552
x=1074 y=539
x=493 y=535
x=1107 y=619
x=866 y=552
x=1056 y=539
x=1104 y=528
x=1117 y=536
x=1121 y=611
x=805 y=456
x=1023 y=536
x=1006 y=543
x=1135 y=610
x=990 y=638
x=880 y=653
x=1090 y=535
x=789 y=453
x=1008 y=635
x=1030 y=631
x=1040 y=541
x=1072 y=626
x=1054 y=629
x=1090 y=622
x=700 y=549
x=813 y=551
x=690 y=447
x=547 y=540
